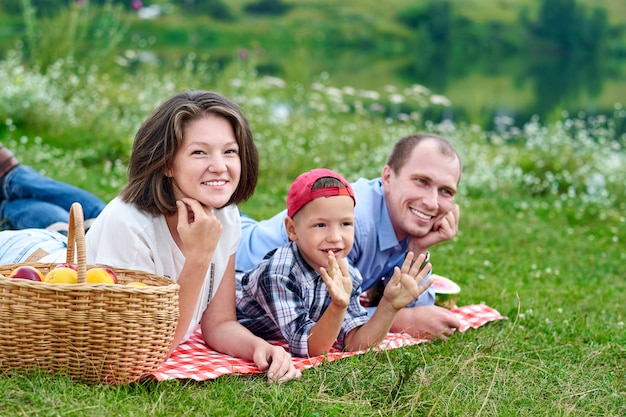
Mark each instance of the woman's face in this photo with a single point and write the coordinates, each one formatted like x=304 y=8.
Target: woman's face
x=207 y=166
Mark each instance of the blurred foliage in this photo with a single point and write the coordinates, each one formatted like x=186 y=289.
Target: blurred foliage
x=270 y=7
x=566 y=28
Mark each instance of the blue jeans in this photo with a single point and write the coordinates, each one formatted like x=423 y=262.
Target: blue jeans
x=31 y=200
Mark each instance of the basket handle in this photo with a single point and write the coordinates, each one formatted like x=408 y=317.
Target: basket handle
x=76 y=242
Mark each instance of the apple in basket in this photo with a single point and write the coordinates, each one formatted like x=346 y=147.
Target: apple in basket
x=27 y=272
x=61 y=275
x=71 y=266
x=101 y=276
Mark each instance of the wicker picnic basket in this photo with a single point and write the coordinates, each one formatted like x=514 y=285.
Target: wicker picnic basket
x=104 y=333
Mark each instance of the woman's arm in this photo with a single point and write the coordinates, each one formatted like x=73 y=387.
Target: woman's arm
x=197 y=233
x=222 y=332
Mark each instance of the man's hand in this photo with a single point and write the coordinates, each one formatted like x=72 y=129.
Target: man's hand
x=337 y=280
x=404 y=284
x=426 y=322
x=445 y=228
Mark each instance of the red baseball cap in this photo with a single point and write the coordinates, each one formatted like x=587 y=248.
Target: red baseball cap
x=300 y=192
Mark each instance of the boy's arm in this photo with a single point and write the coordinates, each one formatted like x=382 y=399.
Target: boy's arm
x=337 y=279
x=324 y=333
x=401 y=290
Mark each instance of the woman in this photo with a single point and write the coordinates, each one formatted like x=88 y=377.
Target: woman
x=193 y=161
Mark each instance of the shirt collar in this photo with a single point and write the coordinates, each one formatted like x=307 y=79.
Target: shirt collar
x=386 y=235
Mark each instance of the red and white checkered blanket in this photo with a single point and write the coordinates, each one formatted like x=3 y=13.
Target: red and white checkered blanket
x=193 y=359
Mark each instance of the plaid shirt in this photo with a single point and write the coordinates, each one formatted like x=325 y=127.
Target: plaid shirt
x=283 y=297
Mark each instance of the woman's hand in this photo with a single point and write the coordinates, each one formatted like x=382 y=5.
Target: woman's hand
x=198 y=228
x=277 y=362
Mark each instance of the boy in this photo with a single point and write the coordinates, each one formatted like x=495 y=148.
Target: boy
x=306 y=292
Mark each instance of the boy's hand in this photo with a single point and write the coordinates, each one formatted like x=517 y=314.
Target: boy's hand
x=404 y=285
x=337 y=280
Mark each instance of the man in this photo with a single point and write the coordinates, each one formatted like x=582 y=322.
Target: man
x=410 y=207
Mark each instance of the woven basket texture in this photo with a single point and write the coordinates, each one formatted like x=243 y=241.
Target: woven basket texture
x=95 y=333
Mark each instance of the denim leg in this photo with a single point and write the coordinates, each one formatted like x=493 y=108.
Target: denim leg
x=24 y=183
x=29 y=213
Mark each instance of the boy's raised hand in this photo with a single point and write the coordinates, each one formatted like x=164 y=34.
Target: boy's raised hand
x=337 y=280
x=404 y=284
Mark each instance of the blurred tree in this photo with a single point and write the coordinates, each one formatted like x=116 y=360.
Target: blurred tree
x=435 y=18
x=563 y=26
x=273 y=7
x=217 y=9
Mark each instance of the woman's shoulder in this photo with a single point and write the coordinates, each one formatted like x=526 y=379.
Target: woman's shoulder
x=121 y=217
x=125 y=212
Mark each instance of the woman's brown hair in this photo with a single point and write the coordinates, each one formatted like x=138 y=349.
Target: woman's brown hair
x=159 y=138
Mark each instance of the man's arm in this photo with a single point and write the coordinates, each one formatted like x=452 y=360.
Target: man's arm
x=258 y=238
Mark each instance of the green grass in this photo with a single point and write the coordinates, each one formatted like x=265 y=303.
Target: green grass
x=541 y=240
x=560 y=353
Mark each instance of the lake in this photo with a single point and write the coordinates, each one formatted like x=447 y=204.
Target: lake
x=517 y=88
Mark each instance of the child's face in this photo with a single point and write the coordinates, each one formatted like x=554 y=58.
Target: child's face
x=322 y=225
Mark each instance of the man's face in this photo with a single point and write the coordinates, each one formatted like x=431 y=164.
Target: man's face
x=422 y=191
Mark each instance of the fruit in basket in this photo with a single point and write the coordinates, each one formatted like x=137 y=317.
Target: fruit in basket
x=61 y=275
x=101 y=276
x=446 y=291
x=137 y=284
x=71 y=266
x=27 y=272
